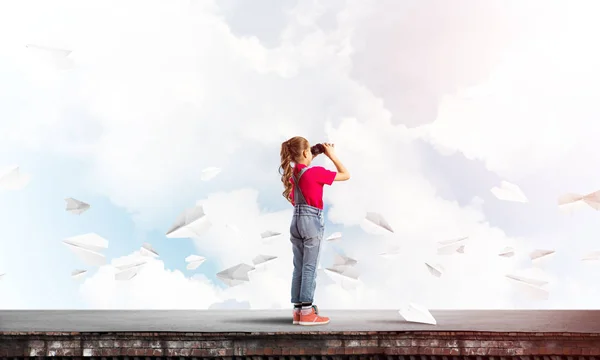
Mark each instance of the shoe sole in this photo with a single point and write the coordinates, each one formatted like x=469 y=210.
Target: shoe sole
x=313 y=323
x=295 y=322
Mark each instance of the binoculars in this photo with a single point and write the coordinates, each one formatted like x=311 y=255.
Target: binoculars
x=317 y=149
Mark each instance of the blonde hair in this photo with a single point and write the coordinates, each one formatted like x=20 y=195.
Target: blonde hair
x=291 y=150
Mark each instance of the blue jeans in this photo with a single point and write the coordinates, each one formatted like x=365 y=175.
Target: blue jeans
x=306 y=233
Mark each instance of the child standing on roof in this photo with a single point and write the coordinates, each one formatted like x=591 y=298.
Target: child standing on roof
x=304 y=189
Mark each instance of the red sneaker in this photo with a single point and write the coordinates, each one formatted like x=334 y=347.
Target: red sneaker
x=313 y=317
x=296 y=316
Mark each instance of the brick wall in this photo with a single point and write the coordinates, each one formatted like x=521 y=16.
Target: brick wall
x=442 y=345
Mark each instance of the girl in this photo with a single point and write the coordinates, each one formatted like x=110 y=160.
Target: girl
x=304 y=189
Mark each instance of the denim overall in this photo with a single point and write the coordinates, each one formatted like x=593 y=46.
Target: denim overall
x=306 y=233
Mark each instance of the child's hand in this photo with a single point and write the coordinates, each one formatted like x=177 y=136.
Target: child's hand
x=329 y=149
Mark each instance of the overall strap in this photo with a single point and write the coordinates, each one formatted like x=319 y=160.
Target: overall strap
x=299 y=198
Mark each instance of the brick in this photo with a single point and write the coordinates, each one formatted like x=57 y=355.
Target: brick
x=333 y=343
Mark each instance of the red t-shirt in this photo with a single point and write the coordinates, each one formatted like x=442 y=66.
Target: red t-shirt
x=311 y=183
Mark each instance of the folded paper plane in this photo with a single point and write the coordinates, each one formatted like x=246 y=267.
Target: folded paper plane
x=75 y=206
x=335 y=236
x=129 y=271
x=435 y=269
x=570 y=200
x=449 y=247
x=378 y=220
x=594 y=255
x=262 y=259
x=194 y=261
x=345 y=270
x=88 y=247
x=507 y=252
x=269 y=234
x=209 y=173
x=417 y=314
x=391 y=253
x=147 y=250
x=235 y=275
x=530 y=281
x=540 y=254
x=192 y=223
x=59 y=58
x=77 y=274
x=343 y=260
x=11 y=178
x=509 y=192
x=532 y=288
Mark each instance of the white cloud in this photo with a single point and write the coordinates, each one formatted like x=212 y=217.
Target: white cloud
x=169 y=90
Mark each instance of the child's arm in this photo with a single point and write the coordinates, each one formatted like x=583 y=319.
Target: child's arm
x=342 y=172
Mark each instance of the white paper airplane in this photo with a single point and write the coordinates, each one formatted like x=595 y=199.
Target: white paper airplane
x=269 y=234
x=194 y=261
x=129 y=271
x=323 y=278
x=348 y=271
x=531 y=287
x=540 y=253
x=192 y=223
x=435 y=269
x=341 y=260
x=210 y=173
x=78 y=273
x=509 y=192
x=391 y=253
x=75 y=206
x=594 y=255
x=147 y=250
x=58 y=58
x=87 y=247
x=235 y=275
x=11 y=178
x=262 y=259
x=571 y=201
x=530 y=281
x=507 y=252
x=378 y=220
x=335 y=236
x=449 y=247
x=417 y=314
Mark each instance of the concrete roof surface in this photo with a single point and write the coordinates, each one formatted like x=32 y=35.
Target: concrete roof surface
x=579 y=321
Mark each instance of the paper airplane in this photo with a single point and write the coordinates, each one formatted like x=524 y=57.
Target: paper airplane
x=449 y=247
x=194 y=261
x=54 y=56
x=87 y=247
x=11 y=178
x=345 y=276
x=192 y=223
x=531 y=287
x=147 y=250
x=129 y=271
x=435 y=269
x=527 y=280
x=269 y=234
x=509 y=192
x=335 y=236
x=378 y=220
x=262 y=259
x=594 y=255
x=342 y=260
x=209 y=173
x=539 y=254
x=507 y=252
x=323 y=278
x=235 y=275
x=75 y=206
x=345 y=270
x=391 y=253
x=417 y=314
x=77 y=274
x=570 y=201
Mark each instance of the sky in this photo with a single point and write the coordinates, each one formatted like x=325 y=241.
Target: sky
x=430 y=105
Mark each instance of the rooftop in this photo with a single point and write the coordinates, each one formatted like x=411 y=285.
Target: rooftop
x=280 y=321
